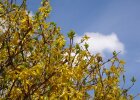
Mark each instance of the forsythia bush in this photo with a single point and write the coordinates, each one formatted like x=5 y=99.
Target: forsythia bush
x=36 y=64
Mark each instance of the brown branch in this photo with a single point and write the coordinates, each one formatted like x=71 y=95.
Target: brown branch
x=11 y=89
x=34 y=88
x=110 y=59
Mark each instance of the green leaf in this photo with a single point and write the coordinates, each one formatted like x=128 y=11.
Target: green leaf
x=124 y=78
x=133 y=79
x=71 y=34
x=77 y=46
x=114 y=53
x=86 y=45
x=53 y=23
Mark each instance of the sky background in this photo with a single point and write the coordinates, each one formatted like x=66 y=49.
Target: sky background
x=111 y=24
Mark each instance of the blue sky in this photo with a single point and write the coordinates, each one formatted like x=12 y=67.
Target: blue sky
x=103 y=17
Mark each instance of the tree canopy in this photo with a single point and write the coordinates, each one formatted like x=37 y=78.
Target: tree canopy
x=36 y=63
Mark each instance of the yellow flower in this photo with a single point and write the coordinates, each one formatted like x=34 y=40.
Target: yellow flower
x=42 y=9
x=122 y=62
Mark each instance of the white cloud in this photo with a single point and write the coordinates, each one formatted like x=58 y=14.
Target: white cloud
x=101 y=43
x=31 y=14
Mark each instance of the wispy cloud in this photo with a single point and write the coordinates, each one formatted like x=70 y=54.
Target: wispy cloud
x=101 y=43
